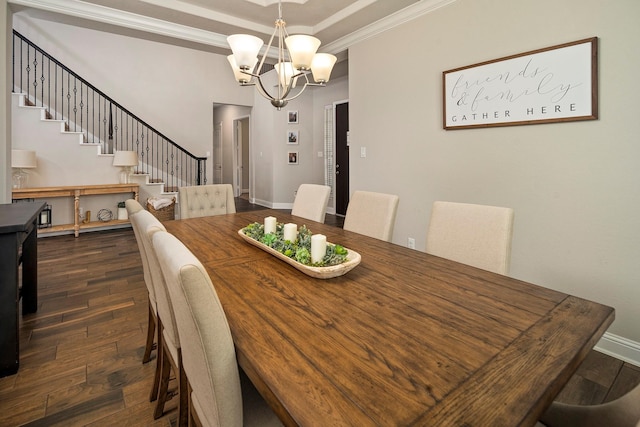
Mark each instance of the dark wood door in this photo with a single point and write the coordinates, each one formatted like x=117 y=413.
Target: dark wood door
x=342 y=158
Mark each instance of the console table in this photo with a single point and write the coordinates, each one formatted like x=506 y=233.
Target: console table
x=76 y=191
x=18 y=244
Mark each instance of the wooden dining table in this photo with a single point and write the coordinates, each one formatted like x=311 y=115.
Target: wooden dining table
x=403 y=339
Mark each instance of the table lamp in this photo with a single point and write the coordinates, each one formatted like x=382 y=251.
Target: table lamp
x=126 y=160
x=21 y=160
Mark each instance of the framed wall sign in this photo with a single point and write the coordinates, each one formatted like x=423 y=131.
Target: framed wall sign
x=555 y=84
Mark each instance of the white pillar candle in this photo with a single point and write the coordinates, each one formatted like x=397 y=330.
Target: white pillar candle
x=318 y=247
x=269 y=225
x=290 y=232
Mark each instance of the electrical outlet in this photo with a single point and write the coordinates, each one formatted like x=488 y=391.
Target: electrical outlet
x=411 y=243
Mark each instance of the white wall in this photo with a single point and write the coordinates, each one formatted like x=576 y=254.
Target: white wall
x=171 y=88
x=574 y=186
x=274 y=180
x=5 y=103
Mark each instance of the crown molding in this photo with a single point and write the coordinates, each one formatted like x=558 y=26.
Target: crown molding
x=203 y=12
x=124 y=19
x=107 y=15
x=401 y=17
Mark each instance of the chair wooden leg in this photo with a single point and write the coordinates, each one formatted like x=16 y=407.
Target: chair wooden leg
x=163 y=390
x=159 y=360
x=151 y=330
x=183 y=389
x=194 y=421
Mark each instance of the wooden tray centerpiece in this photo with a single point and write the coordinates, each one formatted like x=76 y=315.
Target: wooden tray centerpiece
x=337 y=260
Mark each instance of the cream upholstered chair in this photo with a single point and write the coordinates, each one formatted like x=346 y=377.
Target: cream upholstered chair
x=372 y=214
x=206 y=200
x=311 y=202
x=134 y=207
x=622 y=412
x=476 y=235
x=169 y=353
x=207 y=345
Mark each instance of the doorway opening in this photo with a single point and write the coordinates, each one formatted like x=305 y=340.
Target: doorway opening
x=241 y=156
x=231 y=147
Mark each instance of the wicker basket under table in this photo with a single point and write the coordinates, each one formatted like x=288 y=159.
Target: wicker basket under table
x=163 y=214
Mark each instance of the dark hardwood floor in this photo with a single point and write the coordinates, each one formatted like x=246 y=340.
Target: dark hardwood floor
x=81 y=352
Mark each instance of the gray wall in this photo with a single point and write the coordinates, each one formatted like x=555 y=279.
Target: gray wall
x=574 y=186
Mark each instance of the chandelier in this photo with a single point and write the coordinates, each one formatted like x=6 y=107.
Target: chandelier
x=297 y=58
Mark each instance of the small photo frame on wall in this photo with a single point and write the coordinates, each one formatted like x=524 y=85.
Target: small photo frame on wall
x=292 y=157
x=292 y=117
x=293 y=137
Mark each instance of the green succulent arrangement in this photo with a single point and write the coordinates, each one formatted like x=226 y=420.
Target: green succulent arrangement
x=300 y=250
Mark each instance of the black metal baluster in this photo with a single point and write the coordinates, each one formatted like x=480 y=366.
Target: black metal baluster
x=42 y=82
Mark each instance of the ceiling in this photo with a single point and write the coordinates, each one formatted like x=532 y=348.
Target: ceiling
x=205 y=24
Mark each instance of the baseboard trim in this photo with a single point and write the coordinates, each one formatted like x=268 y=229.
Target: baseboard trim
x=282 y=206
x=620 y=348
x=261 y=202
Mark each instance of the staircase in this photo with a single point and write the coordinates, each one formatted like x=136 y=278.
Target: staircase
x=75 y=128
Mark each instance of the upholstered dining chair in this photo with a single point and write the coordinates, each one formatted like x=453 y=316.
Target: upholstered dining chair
x=622 y=412
x=206 y=200
x=311 y=202
x=476 y=235
x=207 y=345
x=169 y=352
x=372 y=214
x=134 y=207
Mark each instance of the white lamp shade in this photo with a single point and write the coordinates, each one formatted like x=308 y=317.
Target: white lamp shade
x=125 y=158
x=239 y=75
x=285 y=71
x=245 y=49
x=321 y=67
x=23 y=159
x=302 y=48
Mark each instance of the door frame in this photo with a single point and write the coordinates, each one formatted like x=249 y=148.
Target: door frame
x=218 y=155
x=335 y=150
x=237 y=154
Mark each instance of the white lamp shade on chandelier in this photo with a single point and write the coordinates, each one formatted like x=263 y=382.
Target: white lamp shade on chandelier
x=302 y=48
x=237 y=72
x=321 y=67
x=245 y=50
x=297 y=58
x=126 y=160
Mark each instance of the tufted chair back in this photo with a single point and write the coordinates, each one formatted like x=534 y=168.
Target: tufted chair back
x=206 y=200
